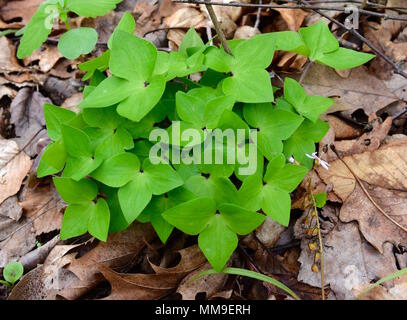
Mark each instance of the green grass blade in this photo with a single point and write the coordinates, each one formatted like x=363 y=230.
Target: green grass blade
x=389 y=277
x=250 y=274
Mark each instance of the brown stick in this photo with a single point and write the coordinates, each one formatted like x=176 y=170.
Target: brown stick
x=218 y=27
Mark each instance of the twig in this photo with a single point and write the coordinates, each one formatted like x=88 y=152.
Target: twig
x=297 y=6
x=321 y=248
x=366 y=192
x=305 y=71
x=217 y=27
x=258 y=16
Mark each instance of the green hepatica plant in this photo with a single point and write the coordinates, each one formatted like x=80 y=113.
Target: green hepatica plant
x=102 y=158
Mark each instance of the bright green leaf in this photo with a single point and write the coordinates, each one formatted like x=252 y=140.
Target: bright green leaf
x=76 y=42
x=217 y=242
x=76 y=191
x=118 y=170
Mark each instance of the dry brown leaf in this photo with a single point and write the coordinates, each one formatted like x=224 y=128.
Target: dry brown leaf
x=360 y=91
x=348 y=263
x=47 y=57
x=269 y=232
x=293 y=18
x=383 y=174
x=72 y=102
x=342 y=129
x=44 y=282
x=246 y=32
x=191 y=259
x=117 y=252
x=20 y=9
x=27 y=116
x=147 y=16
x=396 y=292
x=186 y=17
x=8 y=61
x=14 y=166
x=138 y=286
x=152 y=286
x=43 y=215
x=175 y=38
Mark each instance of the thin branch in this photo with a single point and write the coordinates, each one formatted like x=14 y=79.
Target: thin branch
x=258 y=16
x=217 y=27
x=366 y=192
x=305 y=71
x=297 y=6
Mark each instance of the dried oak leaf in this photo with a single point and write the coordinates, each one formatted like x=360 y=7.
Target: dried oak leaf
x=383 y=173
x=64 y=275
x=152 y=286
x=117 y=252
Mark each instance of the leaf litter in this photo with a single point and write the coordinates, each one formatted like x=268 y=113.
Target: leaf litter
x=361 y=244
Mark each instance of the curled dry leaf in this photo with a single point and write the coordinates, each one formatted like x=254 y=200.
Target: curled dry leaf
x=342 y=129
x=147 y=16
x=117 y=252
x=152 y=286
x=360 y=90
x=47 y=57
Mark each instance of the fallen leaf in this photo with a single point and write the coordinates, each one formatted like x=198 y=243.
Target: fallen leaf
x=8 y=62
x=185 y=18
x=22 y=10
x=118 y=251
x=14 y=166
x=246 y=32
x=382 y=173
x=342 y=129
x=47 y=57
x=42 y=215
x=269 y=232
x=348 y=262
x=152 y=286
x=360 y=91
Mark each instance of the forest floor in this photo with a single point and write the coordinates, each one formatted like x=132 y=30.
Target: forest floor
x=368 y=129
